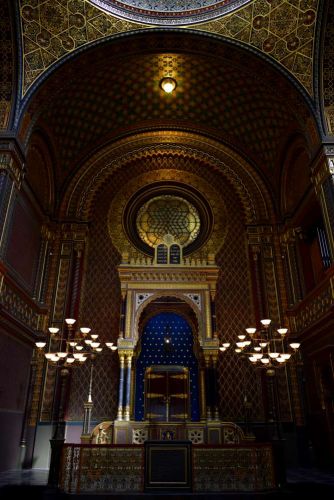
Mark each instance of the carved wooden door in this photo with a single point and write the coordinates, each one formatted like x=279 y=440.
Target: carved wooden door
x=166 y=394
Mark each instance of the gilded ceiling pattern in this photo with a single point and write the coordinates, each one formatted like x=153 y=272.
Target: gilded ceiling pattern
x=282 y=29
x=6 y=65
x=328 y=71
x=169 y=12
x=254 y=121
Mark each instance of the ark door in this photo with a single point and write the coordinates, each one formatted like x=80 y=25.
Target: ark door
x=166 y=394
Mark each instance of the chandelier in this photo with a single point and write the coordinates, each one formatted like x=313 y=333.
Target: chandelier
x=68 y=346
x=266 y=347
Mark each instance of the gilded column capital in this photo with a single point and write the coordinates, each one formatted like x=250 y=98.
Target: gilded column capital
x=129 y=356
x=12 y=161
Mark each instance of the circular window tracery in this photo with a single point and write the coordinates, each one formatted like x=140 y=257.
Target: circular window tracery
x=168 y=214
x=167 y=210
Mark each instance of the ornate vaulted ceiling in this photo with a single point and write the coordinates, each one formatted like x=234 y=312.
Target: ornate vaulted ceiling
x=284 y=30
x=114 y=90
x=169 y=11
x=91 y=70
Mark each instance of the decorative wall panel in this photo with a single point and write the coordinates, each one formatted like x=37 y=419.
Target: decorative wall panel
x=100 y=310
x=237 y=377
x=101 y=301
x=23 y=244
x=19 y=308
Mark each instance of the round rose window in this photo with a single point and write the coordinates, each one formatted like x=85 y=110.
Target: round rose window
x=168 y=215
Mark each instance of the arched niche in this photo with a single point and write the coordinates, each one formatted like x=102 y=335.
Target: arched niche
x=296 y=176
x=40 y=170
x=167 y=368
x=178 y=302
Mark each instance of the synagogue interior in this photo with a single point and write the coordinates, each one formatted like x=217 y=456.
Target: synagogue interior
x=166 y=242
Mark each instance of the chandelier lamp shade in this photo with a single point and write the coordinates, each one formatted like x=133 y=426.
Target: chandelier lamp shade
x=265 y=347
x=69 y=346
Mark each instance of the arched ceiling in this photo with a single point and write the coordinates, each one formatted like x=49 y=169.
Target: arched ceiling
x=284 y=30
x=223 y=92
x=7 y=71
x=153 y=152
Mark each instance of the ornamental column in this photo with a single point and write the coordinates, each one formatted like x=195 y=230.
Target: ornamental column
x=215 y=412
x=128 y=387
x=121 y=387
x=122 y=315
x=211 y=383
x=202 y=392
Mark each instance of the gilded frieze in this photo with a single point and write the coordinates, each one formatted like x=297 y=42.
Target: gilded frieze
x=315 y=308
x=282 y=29
x=20 y=309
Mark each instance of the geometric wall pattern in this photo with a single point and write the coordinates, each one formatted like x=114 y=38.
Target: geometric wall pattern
x=100 y=309
x=281 y=29
x=237 y=377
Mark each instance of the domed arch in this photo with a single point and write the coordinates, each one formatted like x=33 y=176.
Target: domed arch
x=249 y=184
x=296 y=177
x=40 y=170
x=254 y=122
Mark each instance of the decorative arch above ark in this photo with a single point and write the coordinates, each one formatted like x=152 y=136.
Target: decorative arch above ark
x=194 y=308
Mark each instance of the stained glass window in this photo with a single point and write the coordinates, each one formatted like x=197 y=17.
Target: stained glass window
x=168 y=214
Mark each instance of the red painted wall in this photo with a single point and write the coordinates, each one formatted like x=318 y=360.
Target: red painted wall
x=23 y=244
